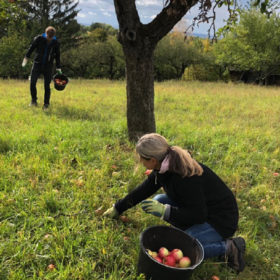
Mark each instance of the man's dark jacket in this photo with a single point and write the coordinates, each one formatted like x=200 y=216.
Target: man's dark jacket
x=45 y=53
x=199 y=199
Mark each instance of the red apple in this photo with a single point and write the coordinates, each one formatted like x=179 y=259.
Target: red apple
x=184 y=262
x=163 y=252
x=169 y=260
x=158 y=259
x=177 y=253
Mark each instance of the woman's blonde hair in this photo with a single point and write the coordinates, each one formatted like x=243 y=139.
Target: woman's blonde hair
x=153 y=145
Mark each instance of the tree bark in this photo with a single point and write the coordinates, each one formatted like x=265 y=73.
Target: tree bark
x=138 y=42
x=140 y=91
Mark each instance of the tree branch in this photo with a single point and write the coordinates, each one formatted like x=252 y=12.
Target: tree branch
x=167 y=18
x=128 y=18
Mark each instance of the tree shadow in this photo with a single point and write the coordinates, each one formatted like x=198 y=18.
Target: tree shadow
x=262 y=238
x=5 y=146
x=72 y=113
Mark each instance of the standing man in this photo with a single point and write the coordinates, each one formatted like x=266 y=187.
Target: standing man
x=47 y=49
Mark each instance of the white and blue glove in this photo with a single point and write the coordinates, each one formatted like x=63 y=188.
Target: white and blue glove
x=24 y=62
x=111 y=213
x=154 y=207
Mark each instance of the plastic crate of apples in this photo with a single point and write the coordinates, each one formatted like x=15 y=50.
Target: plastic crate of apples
x=174 y=258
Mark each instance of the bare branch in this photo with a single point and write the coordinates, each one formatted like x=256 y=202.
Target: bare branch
x=207 y=14
x=172 y=13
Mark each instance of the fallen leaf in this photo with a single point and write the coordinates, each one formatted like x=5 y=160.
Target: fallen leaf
x=47 y=236
x=51 y=266
x=79 y=182
x=124 y=219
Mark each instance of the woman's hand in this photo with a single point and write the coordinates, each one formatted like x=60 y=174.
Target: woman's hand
x=153 y=207
x=111 y=213
x=24 y=62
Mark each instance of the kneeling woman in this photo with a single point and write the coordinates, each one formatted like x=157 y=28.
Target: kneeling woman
x=196 y=200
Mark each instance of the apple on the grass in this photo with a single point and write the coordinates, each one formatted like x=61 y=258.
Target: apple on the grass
x=184 y=262
x=163 y=252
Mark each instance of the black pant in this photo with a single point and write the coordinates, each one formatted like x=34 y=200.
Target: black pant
x=38 y=69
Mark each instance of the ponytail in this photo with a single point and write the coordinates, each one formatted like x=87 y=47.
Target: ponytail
x=181 y=162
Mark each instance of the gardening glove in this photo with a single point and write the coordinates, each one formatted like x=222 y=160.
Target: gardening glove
x=111 y=213
x=24 y=62
x=58 y=71
x=153 y=207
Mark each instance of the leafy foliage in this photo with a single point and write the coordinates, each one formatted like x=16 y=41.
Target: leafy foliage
x=251 y=45
x=60 y=14
x=98 y=55
x=11 y=17
x=12 y=48
x=265 y=6
x=204 y=68
x=172 y=55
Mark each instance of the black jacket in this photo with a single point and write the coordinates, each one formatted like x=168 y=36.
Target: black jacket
x=200 y=199
x=45 y=54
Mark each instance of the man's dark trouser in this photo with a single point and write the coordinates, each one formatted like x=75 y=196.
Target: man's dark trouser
x=37 y=69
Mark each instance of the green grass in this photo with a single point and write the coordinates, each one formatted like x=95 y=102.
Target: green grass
x=58 y=167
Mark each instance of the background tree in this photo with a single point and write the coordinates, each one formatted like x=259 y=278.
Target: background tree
x=11 y=17
x=12 y=39
x=11 y=53
x=97 y=55
x=265 y=6
x=139 y=41
x=172 y=55
x=59 y=13
x=252 y=45
x=203 y=67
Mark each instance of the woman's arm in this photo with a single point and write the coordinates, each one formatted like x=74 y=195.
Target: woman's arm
x=143 y=191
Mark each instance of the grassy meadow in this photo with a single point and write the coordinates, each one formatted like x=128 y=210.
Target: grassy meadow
x=61 y=169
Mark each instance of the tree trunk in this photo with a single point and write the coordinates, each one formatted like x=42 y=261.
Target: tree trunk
x=139 y=41
x=140 y=91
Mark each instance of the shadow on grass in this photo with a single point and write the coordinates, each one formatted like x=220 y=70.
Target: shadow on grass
x=4 y=146
x=263 y=238
x=73 y=113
